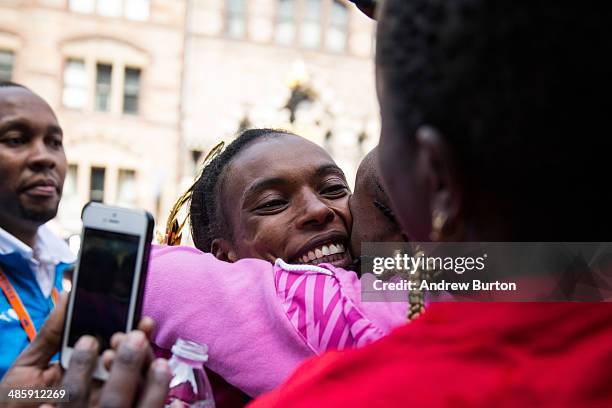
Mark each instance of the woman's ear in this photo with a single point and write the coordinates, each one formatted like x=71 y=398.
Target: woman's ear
x=445 y=189
x=222 y=250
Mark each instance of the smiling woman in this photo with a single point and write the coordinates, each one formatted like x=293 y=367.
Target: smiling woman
x=272 y=212
x=270 y=195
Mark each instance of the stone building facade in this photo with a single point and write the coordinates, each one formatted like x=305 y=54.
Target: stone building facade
x=246 y=59
x=143 y=88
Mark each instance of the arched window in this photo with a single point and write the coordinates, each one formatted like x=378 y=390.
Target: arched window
x=7 y=60
x=103 y=74
x=235 y=24
x=338 y=27
x=127 y=188
x=131 y=90
x=75 y=84
x=285 y=22
x=310 y=33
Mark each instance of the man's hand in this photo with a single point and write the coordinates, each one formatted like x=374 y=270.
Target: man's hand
x=127 y=386
x=31 y=369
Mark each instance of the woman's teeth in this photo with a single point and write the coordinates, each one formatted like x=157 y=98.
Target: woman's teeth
x=321 y=252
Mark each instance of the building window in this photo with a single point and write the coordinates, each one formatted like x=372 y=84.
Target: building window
x=126 y=188
x=235 y=18
x=337 y=33
x=82 y=6
x=71 y=203
x=103 y=86
x=285 y=22
x=70 y=184
x=7 y=60
x=110 y=8
x=131 y=90
x=78 y=89
x=311 y=25
x=312 y=22
x=132 y=9
x=75 y=84
x=137 y=9
x=96 y=184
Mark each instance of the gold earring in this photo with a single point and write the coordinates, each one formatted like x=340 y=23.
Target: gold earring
x=438 y=222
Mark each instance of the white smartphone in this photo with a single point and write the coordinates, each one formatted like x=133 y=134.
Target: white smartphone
x=108 y=281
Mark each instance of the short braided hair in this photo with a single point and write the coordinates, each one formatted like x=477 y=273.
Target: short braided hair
x=520 y=93
x=206 y=217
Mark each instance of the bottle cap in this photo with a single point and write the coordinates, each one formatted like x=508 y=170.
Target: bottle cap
x=190 y=350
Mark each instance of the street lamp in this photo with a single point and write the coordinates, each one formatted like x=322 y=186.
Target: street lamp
x=300 y=88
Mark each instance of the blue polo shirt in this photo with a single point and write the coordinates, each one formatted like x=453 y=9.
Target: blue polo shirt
x=32 y=273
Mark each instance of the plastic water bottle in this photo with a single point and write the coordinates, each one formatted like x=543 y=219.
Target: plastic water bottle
x=189 y=385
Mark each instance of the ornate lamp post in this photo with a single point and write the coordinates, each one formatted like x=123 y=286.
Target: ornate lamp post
x=300 y=90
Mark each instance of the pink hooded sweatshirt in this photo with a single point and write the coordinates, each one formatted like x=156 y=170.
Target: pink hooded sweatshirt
x=259 y=320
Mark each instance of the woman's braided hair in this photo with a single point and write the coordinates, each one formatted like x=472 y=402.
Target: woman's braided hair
x=205 y=214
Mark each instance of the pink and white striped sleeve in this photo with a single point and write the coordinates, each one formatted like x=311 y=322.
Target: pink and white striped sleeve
x=323 y=305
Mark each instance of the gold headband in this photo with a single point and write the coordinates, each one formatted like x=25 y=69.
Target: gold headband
x=174 y=228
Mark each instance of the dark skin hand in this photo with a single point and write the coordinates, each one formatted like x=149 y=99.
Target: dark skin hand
x=130 y=357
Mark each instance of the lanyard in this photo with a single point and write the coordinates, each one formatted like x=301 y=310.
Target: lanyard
x=18 y=307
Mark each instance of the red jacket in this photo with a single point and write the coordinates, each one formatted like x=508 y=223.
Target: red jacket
x=465 y=355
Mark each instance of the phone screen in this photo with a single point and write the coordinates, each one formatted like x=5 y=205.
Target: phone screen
x=104 y=285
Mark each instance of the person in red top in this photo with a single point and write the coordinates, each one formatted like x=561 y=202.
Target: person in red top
x=475 y=355
x=491 y=131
